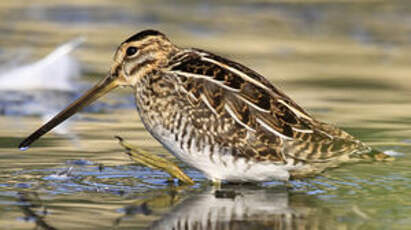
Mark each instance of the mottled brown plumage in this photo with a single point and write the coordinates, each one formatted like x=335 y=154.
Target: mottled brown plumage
x=222 y=117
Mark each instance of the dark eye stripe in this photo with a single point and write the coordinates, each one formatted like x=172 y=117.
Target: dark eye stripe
x=138 y=66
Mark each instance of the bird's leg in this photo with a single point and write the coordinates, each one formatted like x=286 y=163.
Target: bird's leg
x=155 y=162
x=216 y=184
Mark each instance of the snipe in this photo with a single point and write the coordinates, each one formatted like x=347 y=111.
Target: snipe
x=217 y=115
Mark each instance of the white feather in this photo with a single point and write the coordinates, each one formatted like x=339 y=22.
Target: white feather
x=52 y=72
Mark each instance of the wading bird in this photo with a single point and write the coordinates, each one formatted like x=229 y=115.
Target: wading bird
x=217 y=116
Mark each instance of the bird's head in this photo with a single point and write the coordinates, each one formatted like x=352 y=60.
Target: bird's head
x=139 y=55
x=134 y=58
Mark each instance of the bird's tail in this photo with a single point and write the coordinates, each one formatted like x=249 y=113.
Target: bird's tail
x=377 y=155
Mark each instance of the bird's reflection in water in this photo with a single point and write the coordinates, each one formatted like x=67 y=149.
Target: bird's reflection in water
x=160 y=199
x=232 y=207
x=244 y=207
x=33 y=209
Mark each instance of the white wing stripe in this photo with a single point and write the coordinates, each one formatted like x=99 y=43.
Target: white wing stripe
x=208 y=78
x=232 y=114
x=205 y=100
x=294 y=110
x=303 y=130
x=236 y=71
x=252 y=104
x=262 y=123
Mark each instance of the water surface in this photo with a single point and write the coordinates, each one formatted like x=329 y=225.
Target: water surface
x=347 y=63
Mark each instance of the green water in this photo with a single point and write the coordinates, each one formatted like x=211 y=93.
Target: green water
x=347 y=62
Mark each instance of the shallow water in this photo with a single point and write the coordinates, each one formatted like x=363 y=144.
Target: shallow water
x=347 y=63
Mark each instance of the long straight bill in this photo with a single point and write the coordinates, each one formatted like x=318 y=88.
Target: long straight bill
x=107 y=84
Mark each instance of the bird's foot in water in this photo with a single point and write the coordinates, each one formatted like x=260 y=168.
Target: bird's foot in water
x=153 y=161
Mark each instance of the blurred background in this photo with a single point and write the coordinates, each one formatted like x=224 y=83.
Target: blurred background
x=345 y=61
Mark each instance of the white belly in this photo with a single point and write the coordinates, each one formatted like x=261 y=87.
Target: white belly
x=222 y=166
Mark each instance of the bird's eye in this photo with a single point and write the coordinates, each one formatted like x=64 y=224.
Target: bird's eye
x=131 y=51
